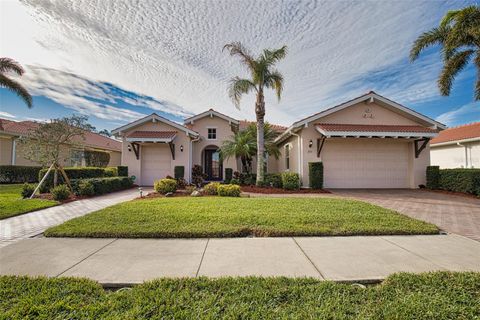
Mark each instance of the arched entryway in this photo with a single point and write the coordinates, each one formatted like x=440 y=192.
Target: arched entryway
x=212 y=163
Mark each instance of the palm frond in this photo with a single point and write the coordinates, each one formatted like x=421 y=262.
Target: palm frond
x=270 y=57
x=10 y=65
x=477 y=84
x=274 y=80
x=237 y=49
x=238 y=87
x=17 y=88
x=427 y=39
x=451 y=68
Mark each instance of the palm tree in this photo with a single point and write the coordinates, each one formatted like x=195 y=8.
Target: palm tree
x=269 y=136
x=459 y=36
x=10 y=65
x=262 y=76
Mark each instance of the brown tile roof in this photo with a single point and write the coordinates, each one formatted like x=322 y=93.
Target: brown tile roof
x=245 y=123
x=153 y=134
x=373 y=128
x=466 y=131
x=92 y=139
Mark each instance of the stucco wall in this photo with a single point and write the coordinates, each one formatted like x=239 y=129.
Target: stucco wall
x=5 y=151
x=455 y=156
x=115 y=159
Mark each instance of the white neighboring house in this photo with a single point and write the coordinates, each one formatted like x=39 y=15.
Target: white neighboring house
x=457 y=147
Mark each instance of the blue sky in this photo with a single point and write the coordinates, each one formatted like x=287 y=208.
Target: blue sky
x=116 y=61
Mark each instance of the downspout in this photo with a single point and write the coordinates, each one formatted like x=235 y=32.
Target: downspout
x=300 y=155
x=190 y=160
x=466 y=153
x=14 y=150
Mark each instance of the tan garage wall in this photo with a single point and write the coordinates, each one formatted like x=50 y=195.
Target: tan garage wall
x=5 y=151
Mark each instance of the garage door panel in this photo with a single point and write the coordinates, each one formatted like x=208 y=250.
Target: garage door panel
x=365 y=163
x=156 y=163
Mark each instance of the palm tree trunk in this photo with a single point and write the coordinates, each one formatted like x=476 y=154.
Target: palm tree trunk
x=260 y=113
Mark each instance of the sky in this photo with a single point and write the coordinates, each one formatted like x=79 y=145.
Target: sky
x=118 y=60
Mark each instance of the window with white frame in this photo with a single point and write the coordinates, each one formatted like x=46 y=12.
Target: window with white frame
x=212 y=133
x=76 y=158
x=287 y=157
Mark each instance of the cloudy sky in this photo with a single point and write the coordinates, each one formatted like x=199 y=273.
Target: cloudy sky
x=118 y=60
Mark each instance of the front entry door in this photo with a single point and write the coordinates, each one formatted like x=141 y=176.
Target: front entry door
x=213 y=165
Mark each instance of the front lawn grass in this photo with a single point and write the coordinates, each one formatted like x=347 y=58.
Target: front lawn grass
x=12 y=204
x=439 y=295
x=188 y=217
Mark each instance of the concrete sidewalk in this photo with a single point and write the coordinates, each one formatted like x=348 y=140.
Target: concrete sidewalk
x=31 y=224
x=117 y=262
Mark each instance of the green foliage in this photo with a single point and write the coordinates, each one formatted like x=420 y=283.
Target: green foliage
x=165 y=186
x=245 y=178
x=274 y=180
x=229 y=190
x=228 y=174
x=7 y=67
x=235 y=181
x=122 y=171
x=27 y=190
x=102 y=185
x=60 y=192
x=198 y=177
x=211 y=188
x=315 y=172
x=460 y=180
x=203 y=217
x=85 y=188
x=179 y=172
x=433 y=177
x=72 y=173
x=111 y=172
x=290 y=181
x=96 y=158
x=12 y=203
x=18 y=174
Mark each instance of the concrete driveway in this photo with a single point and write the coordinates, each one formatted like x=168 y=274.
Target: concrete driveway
x=456 y=214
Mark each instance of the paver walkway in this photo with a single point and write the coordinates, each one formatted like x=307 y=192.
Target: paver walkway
x=33 y=223
x=118 y=262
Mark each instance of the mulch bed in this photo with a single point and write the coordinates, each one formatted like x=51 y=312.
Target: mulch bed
x=150 y=195
x=270 y=190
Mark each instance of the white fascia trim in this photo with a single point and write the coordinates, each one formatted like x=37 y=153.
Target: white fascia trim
x=154 y=117
x=381 y=134
x=455 y=142
x=210 y=113
x=164 y=140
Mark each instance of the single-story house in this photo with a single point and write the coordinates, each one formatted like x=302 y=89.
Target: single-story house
x=11 y=152
x=367 y=142
x=457 y=147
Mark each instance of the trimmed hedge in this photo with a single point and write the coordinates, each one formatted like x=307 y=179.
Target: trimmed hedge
x=273 y=180
x=211 y=188
x=103 y=185
x=165 y=186
x=179 y=172
x=228 y=174
x=433 y=177
x=457 y=180
x=122 y=171
x=19 y=174
x=290 y=181
x=72 y=173
x=229 y=190
x=315 y=173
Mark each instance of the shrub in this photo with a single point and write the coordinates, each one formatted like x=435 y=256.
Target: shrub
x=85 y=188
x=96 y=158
x=290 y=181
x=460 y=180
x=181 y=183
x=189 y=189
x=245 y=178
x=228 y=174
x=433 y=177
x=229 y=190
x=103 y=185
x=235 y=181
x=165 y=186
x=122 y=171
x=273 y=180
x=315 y=173
x=111 y=172
x=72 y=173
x=211 y=188
x=179 y=172
x=18 y=174
x=27 y=190
x=198 y=177
x=60 y=192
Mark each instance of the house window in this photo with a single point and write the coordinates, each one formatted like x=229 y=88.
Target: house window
x=76 y=159
x=212 y=134
x=287 y=157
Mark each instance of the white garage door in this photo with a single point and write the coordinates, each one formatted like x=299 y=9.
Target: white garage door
x=365 y=163
x=156 y=160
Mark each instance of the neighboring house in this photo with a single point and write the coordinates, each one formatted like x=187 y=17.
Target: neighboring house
x=367 y=142
x=457 y=147
x=11 y=152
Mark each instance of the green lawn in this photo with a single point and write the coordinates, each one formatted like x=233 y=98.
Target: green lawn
x=12 y=204
x=439 y=295
x=186 y=217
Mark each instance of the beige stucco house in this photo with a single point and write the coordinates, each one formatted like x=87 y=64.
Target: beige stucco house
x=457 y=147
x=11 y=152
x=367 y=142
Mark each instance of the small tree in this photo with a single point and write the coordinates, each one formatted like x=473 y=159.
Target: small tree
x=44 y=144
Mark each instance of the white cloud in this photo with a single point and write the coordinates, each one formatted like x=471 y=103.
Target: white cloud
x=4 y=114
x=465 y=114
x=171 y=50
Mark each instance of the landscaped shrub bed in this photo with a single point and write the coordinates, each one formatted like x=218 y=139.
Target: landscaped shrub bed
x=72 y=173
x=122 y=171
x=456 y=180
x=165 y=186
x=290 y=181
x=315 y=173
x=436 y=295
x=19 y=174
x=101 y=185
x=229 y=190
x=269 y=190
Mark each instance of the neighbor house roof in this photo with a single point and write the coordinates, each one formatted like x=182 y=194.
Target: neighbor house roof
x=94 y=140
x=457 y=134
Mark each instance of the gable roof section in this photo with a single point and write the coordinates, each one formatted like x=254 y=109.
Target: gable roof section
x=211 y=113
x=154 y=117
x=370 y=96
x=456 y=134
x=358 y=130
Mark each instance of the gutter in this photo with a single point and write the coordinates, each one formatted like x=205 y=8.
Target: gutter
x=190 y=160
x=454 y=142
x=466 y=153
x=300 y=155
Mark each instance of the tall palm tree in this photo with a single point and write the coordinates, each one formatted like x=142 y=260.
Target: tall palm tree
x=269 y=136
x=10 y=65
x=262 y=76
x=459 y=36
